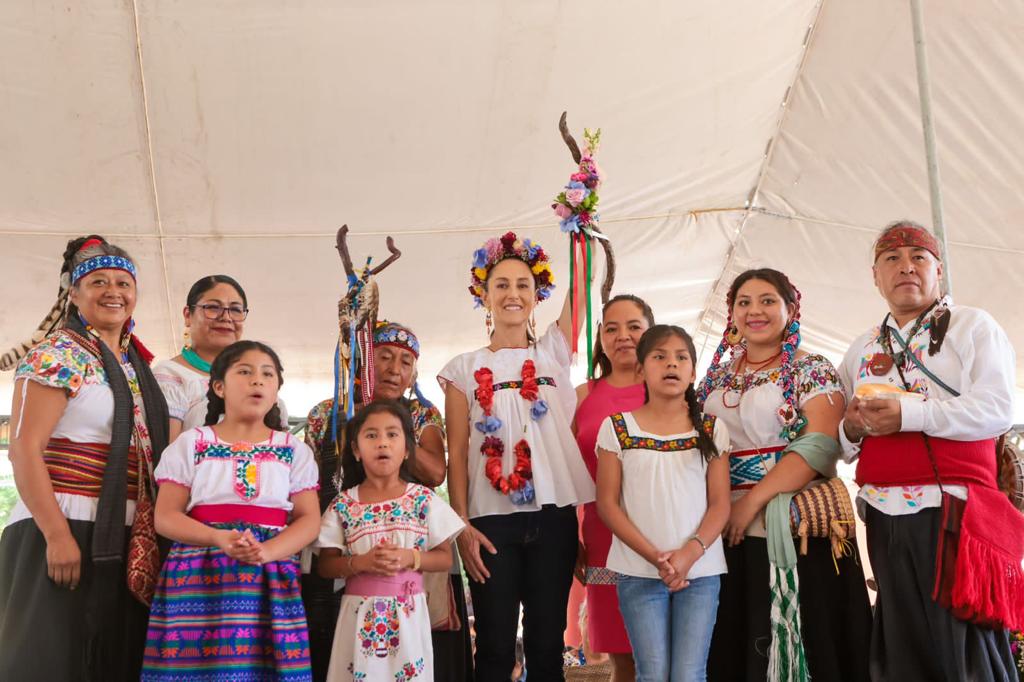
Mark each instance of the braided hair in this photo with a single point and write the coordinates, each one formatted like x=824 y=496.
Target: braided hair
x=602 y=364
x=219 y=369
x=651 y=338
x=62 y=309
x=793 y=421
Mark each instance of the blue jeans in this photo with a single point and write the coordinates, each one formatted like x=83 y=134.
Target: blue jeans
x=670 y=632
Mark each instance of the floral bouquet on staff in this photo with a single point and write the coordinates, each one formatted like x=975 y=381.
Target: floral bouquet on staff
x=576 y=208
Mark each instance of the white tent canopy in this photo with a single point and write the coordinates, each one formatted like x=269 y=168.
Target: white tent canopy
x=229 y=137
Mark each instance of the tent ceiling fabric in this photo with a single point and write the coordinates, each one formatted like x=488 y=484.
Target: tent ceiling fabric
x=211 y=137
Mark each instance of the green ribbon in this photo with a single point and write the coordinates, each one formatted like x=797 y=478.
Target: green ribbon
x=590 y=325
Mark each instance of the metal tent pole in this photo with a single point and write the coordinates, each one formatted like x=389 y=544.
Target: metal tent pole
x=928 y=125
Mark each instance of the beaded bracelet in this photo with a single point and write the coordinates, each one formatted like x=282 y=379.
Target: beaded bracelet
x=700 y=542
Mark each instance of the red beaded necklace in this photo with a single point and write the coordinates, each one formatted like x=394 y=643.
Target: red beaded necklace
x=751 y=368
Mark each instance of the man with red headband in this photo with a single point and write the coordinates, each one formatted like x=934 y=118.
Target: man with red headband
x=931 y=389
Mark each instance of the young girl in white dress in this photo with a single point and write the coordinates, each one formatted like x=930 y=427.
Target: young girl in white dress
x=380 y=534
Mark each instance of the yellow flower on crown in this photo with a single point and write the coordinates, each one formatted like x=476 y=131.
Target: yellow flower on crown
x=481 y=273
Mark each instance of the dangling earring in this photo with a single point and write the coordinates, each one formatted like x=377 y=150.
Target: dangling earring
x=488 y=322
x=732 y=336
x=187 y=339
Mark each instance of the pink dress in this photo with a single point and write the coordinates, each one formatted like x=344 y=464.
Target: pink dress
x=605 y=628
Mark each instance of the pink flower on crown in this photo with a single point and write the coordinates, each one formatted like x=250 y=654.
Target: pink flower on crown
x=562 y=211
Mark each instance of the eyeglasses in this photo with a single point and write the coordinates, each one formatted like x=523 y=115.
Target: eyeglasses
x=213 y=311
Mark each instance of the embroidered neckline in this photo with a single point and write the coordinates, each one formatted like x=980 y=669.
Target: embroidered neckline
x=630 y=442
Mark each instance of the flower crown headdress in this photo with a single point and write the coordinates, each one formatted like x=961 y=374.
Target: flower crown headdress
x=507 y=246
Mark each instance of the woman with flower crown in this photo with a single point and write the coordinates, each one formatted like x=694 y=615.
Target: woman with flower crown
x=781 y=616
x=515 y=472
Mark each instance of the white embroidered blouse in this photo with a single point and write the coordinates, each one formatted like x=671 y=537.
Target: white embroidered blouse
x=262 y=474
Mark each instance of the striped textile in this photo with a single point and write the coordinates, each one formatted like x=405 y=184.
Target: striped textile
x=77 y=468
x=787 y=661
x=215 y=619
x=747 y=467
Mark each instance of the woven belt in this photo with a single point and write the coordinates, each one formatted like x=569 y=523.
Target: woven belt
x=77 y=468
x=747 y=467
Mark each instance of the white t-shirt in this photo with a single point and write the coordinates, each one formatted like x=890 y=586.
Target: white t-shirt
x=263 y=474
x=559 y=474
x=185 y=390
x=664 y=492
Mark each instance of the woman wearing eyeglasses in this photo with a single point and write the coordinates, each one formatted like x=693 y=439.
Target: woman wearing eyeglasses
x=215 y=312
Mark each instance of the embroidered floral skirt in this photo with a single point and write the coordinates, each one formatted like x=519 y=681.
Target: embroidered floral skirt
x=214 y=618
x=382 y=638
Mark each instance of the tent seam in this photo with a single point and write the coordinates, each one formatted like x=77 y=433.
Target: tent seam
x=711 y=303
x=152 y=171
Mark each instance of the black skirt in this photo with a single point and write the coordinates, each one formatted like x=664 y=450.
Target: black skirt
x=42 y=633
x=835 y=615
x=914 y=638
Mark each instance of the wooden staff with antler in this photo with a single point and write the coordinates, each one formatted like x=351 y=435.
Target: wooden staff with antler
x=606 y=244
x=576 y=206
x=357 y=318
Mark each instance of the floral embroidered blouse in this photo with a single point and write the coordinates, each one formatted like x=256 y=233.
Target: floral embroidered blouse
x=59 y=361
x=263 y=474
x=749 y=404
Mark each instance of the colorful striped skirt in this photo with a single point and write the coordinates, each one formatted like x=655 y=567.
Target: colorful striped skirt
x=214 y=618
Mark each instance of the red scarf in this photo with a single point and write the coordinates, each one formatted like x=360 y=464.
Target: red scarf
x=989 y=580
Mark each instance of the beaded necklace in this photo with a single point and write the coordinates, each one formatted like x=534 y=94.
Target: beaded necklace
x=194 y=360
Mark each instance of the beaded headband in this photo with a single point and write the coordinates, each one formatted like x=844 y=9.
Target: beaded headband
x=507 y=246
x=907 y=235
x=391 y=334
x=102 y=263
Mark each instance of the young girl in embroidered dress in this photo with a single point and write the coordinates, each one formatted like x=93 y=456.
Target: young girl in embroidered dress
x=663 y=490
x=380 y=533
x=239 y=500
x=515 y=471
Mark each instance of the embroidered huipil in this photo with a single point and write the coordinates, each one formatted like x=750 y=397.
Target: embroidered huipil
x=976 y=360
x=262 y=474
x=61 y=362
x=385 y=637
x=560 y=476
x=754 y=426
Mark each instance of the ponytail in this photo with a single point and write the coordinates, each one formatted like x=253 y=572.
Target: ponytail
x=705 y=435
